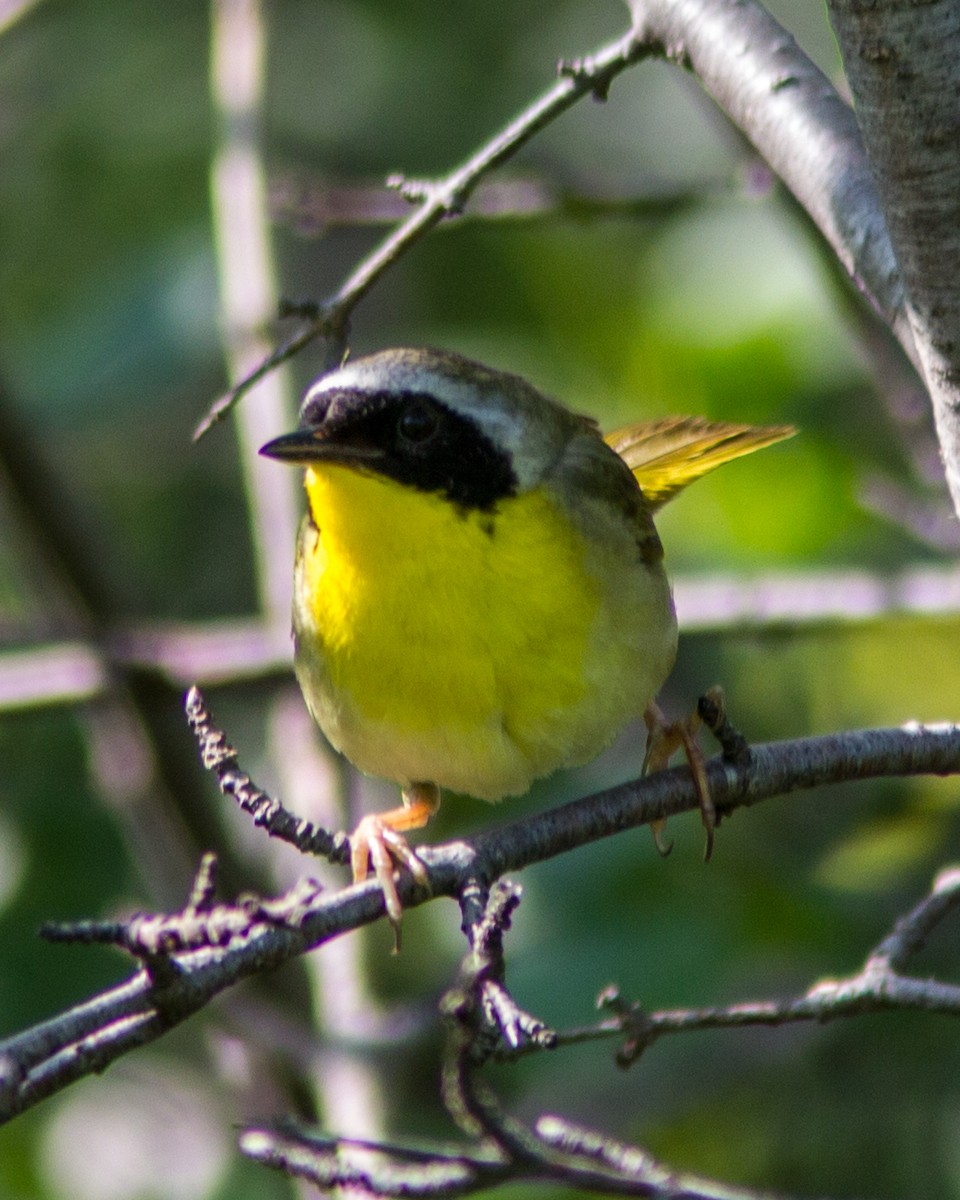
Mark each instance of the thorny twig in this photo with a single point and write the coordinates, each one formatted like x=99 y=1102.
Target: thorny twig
x=156 y=937
x=219 y=756
x=555 y=1150
x=498 y=1017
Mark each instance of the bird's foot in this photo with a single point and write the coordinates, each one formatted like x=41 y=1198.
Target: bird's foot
x=664 y=739
x=378 y=841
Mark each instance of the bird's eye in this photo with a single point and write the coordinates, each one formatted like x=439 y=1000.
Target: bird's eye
x=418 y=422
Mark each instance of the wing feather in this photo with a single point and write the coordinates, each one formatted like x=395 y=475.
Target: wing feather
x=667 y=455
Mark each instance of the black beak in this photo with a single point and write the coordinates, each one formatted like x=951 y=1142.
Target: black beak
x=305 y=446
x=297 y=447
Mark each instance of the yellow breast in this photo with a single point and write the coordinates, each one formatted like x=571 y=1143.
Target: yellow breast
x=470 y=649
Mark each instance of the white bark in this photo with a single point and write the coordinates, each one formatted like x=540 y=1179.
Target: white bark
x=902 y=60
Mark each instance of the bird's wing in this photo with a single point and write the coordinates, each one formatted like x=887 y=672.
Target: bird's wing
x=666 y=455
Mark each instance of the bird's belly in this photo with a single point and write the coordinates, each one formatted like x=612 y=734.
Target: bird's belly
x=476 y=651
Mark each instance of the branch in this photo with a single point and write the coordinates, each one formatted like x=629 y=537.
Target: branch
x=740 y=777
x=502 y=1149
x=436 y=200
x=879 y=986
x=45 y=1059
x=901 y=63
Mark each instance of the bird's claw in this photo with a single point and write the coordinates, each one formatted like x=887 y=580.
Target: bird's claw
x=374 y=842
x=664 y=738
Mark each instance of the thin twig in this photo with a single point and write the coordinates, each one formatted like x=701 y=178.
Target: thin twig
x=436 y=201
x=500 y=1147
x=220 y=757
x=878 y=986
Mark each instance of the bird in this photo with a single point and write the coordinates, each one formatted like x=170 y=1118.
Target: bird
x=479 y=588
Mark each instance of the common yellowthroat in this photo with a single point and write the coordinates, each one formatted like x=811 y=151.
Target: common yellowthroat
x=479 y=591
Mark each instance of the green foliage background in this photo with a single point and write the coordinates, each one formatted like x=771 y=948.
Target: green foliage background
x=109 y=352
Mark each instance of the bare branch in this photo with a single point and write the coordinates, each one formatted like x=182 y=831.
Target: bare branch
x=45 y=1059
x=877 y=987
x=440 y=199
x=910 y=933
x=219 y=756
x=373 y=1170
x=634 y=1165
x=500 y=1148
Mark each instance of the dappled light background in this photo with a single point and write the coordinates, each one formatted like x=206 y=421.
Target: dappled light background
x=660 y=270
